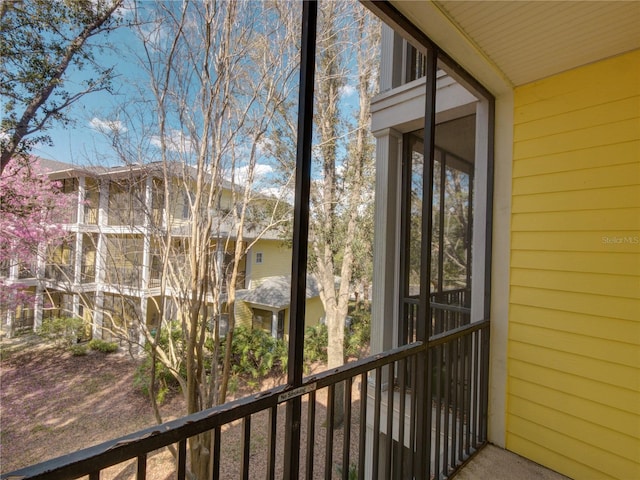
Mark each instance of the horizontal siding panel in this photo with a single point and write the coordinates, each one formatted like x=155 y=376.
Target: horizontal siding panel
x=590 y=283
x=623 y=308
x=591 y=116
x=584 y=220
x=608 y=263
x=626 y=378
x=622 y=353
x=573 y=388
x=581 y=387
x=552 y=459
x=616 y=443
x=607 y=134
x=604 y=177
x=602 y=156
x=575 y=201
x=625 y=331
x=595 y=241
x=584 y=86
x=596 y=458
x=597 y=413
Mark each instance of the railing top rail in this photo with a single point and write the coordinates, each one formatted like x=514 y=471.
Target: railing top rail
x=130 y=446
x=450 y=308
x=454 y=333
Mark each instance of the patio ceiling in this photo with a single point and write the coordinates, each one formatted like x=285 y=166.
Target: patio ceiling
x=530 y=40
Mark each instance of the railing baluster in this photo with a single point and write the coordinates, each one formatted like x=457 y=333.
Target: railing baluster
x=328 y=454
x=346 y=440
x=363 y=425
x=311 y=433
x=389 y=443
x=484 y=382
x=141 y=473
x=182 y=459
x=216 y=453
x=455 y=411
x=414 y=406
x=402 y=381
x=467 y=395
x=438 y=413
x=376 y=424
x=271 y=453
x=475 y=396
x=246 y=446
x=446 y=413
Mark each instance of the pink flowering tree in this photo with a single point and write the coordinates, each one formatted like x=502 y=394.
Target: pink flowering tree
x=33 y=210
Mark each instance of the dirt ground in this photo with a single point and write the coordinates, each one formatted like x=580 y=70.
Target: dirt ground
x=52 y=403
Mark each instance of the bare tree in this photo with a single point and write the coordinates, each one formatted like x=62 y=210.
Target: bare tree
x=218 y=73
x=344 y=184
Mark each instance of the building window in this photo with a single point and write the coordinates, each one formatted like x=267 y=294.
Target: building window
x=258 y=258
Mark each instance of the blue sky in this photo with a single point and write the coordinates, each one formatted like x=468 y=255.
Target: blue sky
x=82 y=142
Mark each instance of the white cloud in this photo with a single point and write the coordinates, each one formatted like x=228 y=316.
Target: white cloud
x=347 y=90
x=107 y=126
x=175 y=141
x=261 y=174
x=264 y=146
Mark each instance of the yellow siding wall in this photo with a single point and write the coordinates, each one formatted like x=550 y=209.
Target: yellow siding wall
x=243 y=313
x=313 y=311
x=276 y=260
x=573 y=393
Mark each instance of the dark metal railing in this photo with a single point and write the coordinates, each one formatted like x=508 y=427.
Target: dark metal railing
x=379 y=417
x=415 y=64
x=449 y=309
x=59 y=272
x=88 y=273
x=90 y=215
x=24 y=321
x=27 y=271
x=130 y=276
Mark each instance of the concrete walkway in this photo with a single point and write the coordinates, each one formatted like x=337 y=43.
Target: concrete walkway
x=494 y=463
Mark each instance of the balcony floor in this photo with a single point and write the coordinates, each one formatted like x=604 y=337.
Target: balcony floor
x=495 y=463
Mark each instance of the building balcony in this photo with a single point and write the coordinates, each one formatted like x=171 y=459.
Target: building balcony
x=59 y=273
x=90 y=215
x=130 y=276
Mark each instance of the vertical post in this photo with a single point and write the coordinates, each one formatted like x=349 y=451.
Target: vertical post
x=423 y=330
x=300 y=233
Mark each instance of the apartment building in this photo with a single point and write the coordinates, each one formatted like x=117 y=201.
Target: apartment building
x=109 y=270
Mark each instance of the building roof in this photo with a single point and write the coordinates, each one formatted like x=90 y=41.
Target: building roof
x=275 y=292
x=52 y=165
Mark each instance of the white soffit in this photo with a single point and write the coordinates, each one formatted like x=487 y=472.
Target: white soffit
x=530 y=40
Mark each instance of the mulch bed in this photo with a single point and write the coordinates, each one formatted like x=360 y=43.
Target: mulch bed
x=52 y=403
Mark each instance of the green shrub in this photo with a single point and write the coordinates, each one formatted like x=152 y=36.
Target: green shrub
x=256 y=354
x=358 y=336
x=79 y=350
x=63 y=331
x=103 y=346
x=316 y=339
x=165 y=382
x=353 y=471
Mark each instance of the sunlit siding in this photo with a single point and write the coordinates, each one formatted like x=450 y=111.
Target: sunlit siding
x=276 y=260
x=243 y=313
x=314 y=311
x=573 y=394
